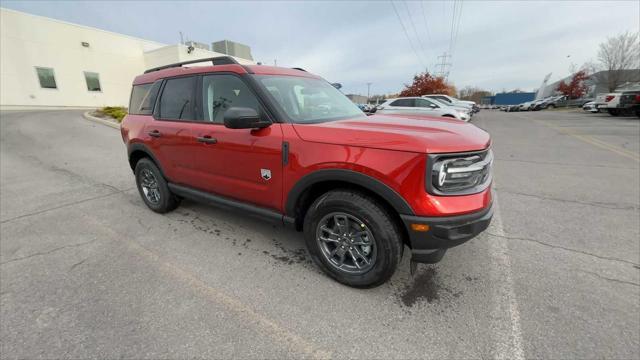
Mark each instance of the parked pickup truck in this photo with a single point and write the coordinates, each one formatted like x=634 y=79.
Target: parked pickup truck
x=285 y=145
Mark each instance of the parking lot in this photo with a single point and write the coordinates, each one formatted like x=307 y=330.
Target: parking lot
x=88 y=271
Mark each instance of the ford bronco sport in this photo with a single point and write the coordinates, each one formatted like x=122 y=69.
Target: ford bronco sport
x=285 y=145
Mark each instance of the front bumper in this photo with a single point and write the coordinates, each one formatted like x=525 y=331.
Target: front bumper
x=444 y=232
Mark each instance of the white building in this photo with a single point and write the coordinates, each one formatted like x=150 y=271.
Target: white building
x=47 y=63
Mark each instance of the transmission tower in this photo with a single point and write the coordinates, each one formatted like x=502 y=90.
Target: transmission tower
x=443 y=65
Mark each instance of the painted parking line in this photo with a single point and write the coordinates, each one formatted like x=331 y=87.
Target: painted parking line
x=505 y=314
x=266 y=325
x=591 y=140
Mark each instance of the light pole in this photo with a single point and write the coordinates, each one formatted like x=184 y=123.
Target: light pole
x=368 y=90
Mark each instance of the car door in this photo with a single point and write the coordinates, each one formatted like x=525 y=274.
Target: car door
x=169 y=133
x=243 y=164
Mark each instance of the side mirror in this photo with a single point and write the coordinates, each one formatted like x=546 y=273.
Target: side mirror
x=244 y=118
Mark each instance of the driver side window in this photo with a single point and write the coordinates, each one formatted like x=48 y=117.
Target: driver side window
x=221 y=92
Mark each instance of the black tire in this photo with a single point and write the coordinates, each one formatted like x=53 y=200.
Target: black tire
x=387 y=242
x=552 y=106
x=613 y=112
x=166 y=200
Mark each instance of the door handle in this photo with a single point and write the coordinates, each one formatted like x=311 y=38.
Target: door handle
x=154 y=133
x=207 y=139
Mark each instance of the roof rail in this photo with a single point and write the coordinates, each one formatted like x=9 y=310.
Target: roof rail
x=218 y=60
x=301 y=69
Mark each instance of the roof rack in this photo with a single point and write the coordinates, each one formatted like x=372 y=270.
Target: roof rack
x=218 y=60
x=301 y=69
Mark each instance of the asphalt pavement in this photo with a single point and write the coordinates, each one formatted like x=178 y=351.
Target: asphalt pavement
x=86 y=270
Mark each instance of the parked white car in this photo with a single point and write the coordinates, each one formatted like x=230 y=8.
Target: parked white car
x=526 y=106
x=420 y=106
x=461 y=108
x=453 y=101
x=590 y=107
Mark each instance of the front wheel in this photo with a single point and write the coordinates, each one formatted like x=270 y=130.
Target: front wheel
x=352 y=238
x=613 y=112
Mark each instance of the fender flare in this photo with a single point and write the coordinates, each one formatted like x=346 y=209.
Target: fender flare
x=141 y=147
x=396 y=201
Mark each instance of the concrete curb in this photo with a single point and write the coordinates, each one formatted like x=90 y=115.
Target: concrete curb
x=108 y=123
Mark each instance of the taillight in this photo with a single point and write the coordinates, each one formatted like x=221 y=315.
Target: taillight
x=638 y=98
x=609 y=98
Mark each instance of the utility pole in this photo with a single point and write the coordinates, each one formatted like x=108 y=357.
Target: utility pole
x=368 y=88
x=275 y=62
x=444 y=72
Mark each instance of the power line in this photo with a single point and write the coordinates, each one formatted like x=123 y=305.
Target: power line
x=415 y=31
x=457 y=29
x=406 y=34
x=426 y=24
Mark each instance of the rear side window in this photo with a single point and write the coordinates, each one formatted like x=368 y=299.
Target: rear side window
x=177 y=98
x=143 y=97
x=404 y=102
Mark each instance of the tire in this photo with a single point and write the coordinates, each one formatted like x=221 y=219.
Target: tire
x=364 y=215
x=613 y=112
x=166 y=201
x=550 y=106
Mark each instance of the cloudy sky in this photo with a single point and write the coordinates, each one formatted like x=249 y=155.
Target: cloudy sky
x=499 y=44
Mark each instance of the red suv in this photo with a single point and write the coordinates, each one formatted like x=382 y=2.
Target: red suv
x=286 y=145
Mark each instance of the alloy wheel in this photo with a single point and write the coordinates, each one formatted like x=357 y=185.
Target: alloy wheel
x=346 y=243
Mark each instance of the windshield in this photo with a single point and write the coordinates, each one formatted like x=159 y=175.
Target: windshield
x=307 y=100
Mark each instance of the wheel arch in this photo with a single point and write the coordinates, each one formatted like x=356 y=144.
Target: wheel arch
x=313 y=185
x=138 y=151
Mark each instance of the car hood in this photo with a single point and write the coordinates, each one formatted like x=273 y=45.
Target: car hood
x=413 y=133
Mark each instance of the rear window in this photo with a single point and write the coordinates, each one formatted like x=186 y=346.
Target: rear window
x=143 y=97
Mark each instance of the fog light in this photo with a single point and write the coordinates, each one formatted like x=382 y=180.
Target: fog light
x=419 y=227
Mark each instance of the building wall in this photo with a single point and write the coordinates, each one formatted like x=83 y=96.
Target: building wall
x=357 y=99
x=30 y=41
x=597 y=82
x=232 y=48
x=513 y=98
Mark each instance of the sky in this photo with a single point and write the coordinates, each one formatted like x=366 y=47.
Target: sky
x=498 y=45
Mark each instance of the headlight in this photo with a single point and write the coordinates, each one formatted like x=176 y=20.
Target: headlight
x=459 y=173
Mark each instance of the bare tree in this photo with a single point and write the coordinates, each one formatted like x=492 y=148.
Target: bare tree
x=617 y=54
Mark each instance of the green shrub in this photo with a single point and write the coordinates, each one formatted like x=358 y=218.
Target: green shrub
x=116 y=112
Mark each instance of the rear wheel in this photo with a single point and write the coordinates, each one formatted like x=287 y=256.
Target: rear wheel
x=352 y=238
x=153 y=188
x=613 y=112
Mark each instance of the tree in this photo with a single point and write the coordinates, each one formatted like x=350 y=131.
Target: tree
x=576 y=88
x=619 y=53
x=424 y=84
x=473 y=94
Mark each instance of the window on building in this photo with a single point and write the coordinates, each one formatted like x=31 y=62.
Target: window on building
x=47 y=78
x=143 y=98
x=93 y=81
x=176 y=102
